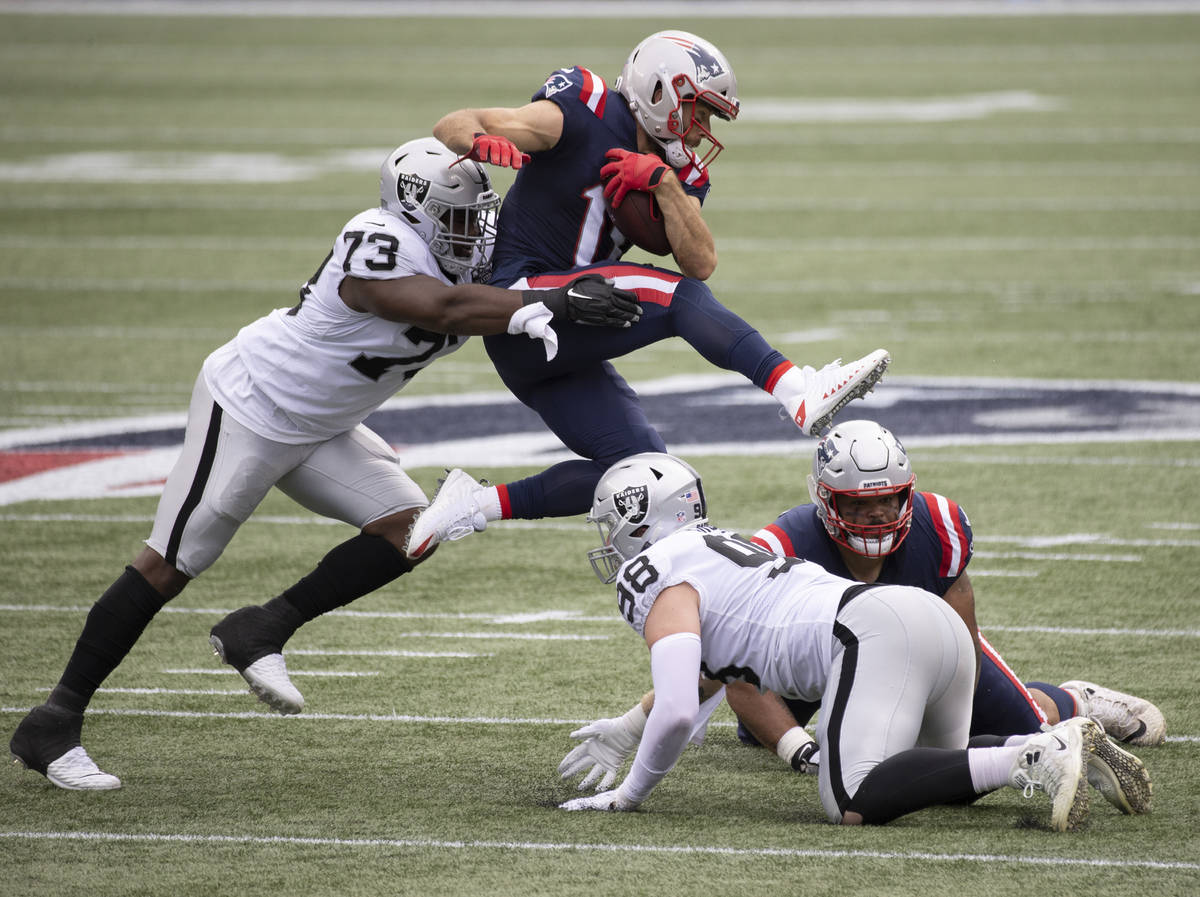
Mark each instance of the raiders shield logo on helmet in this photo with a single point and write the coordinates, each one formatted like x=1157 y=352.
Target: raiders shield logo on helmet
x=632 y=503
x=412 y=187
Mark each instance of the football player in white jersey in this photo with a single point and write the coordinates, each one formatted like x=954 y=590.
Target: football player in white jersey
x=711 y=604
x=868 y=522
x=282 y=405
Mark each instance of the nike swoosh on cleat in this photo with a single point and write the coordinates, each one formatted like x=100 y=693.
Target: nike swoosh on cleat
x=1062 y=745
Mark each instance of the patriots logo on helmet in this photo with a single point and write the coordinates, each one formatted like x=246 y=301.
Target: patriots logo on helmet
x=632 y=503
x=707 y=65
x=556 y=83
x=826 y=450
x=412 y=186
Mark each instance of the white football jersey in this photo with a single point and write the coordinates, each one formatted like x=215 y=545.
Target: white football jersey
x=313 y=371
x=764 y=619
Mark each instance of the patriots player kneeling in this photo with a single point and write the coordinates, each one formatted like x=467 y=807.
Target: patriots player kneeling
x=789 y=626
x=282 y=405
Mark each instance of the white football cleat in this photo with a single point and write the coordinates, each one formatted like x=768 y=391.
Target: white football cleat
x=453 y=514
x=1125 y=717
x=833 y=387
x=1056 y=762
x=76 y=771
x=1115 y=773
x=268 y=678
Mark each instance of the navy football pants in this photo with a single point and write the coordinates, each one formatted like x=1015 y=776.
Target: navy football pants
x=587 y=404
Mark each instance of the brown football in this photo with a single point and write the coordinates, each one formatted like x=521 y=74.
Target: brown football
x=640 y=220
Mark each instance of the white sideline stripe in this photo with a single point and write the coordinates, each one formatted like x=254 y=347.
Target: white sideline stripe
x=1079 y=630
x=1015 y=574
x=225 y=671
x=1035 y=556
x=397 y=718
x=571 y=618
x=574 y=847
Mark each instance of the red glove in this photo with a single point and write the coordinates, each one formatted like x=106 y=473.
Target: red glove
x=495 y=151
x=630 y=171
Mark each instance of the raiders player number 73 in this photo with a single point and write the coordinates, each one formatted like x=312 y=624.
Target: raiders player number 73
x=282 y=404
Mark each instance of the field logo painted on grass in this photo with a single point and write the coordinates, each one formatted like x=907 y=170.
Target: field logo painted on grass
x=697 y=415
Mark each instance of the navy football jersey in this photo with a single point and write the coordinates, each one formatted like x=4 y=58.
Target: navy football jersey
x=935 y=553
x=554 y=217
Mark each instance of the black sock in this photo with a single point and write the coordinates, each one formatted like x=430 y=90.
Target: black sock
x=113 y=626
x=986 y=741
x=912 y=780
x=355 y=568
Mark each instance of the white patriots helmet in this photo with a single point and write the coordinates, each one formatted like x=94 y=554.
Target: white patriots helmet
x=638 y=501
x=450 y=203
x=671 y=70
x=861 y=459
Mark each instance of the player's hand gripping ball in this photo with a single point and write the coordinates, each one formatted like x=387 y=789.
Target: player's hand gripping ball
x=629 y=180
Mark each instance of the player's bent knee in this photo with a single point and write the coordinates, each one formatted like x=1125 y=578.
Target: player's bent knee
x=396 y=528
x=161 y=576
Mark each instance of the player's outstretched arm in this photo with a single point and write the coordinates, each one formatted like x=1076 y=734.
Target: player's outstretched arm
x=500 y=135
x=477 y=309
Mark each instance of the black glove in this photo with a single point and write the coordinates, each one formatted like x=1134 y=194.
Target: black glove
x=589 y=299
x=802 y=756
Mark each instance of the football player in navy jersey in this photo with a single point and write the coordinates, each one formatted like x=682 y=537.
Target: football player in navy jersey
x=576 y=143
x=866 y=522
x=282 y=404
x=710 y=603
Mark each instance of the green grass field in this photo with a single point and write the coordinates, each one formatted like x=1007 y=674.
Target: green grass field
x=1010 y=197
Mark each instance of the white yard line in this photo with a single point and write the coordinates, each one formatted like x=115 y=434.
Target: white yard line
x=432 y=844
x=550 y=616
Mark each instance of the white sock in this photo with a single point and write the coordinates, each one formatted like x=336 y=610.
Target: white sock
x=990 y=766
x=489 y=503
x=794 y=382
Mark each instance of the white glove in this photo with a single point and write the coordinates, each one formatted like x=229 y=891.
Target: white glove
x=608 y=800
x=607 y=744
x=534 y=320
